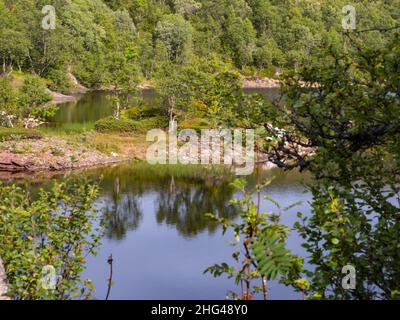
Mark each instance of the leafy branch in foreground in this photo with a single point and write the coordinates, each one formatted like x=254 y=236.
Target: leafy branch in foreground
x=261 y=247
x=342 y=124
x=57 y=228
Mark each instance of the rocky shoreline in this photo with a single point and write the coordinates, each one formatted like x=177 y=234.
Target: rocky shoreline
x=61 y=98
x=15 y=166
x=260 y=83
x=51 y=154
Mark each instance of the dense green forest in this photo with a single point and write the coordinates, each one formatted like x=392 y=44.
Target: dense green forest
x=99 y=39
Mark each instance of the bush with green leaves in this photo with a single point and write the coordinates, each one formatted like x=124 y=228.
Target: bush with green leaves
x=261 y=253
x=111 y=124
x=57 y=229
x=33 y=94
x=59 y=81
x=142 y=112
x=44 y=113
x=153 y=123
x=8 y=96
x=9 y=107
x=196 y=123
x=28 y=101
x=342 y=124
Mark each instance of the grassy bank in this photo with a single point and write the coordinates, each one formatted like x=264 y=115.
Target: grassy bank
x=51 y=149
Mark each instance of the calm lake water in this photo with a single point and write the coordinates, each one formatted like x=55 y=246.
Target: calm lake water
x=95 y=105
x=158 y=234
x=157 y=231
x=161 y=240
x=91 y=107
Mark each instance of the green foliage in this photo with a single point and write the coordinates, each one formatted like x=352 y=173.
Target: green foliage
x=44 y=113
x=194 y=123
x=14 y=38
x=158 y=122
x=33 y=93
x=261 y=246
x=175 y=34
x=341 y=121
x=15 y=134
x=26 y=101
x=207 y=90
x=60 y=82
x=57 y=228
x=8 y=97
x=145 y=117
x=92 y=35
x=225 y=104
x=268 y=54
x=271 y=255
x=141 y=112
x=240 y=39
x=111 y=124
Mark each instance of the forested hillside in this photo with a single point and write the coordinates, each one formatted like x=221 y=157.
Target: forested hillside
x=103 y=40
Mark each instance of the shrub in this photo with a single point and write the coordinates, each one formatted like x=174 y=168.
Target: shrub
x=56 y=229
x=111 y=124
x=8 y=96
x=45 y=113
x=60 y=81
x=91 y=71
x=194 y=123
x=153 y=123
x=33 y=93
x=142 y=112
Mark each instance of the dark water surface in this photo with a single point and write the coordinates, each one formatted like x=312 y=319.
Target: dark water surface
x=91 y=107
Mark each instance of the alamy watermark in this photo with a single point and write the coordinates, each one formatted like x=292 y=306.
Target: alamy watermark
x=210 y=146
x=49 y=278
x=349 y=280
x=349 y=21
x=49 y=20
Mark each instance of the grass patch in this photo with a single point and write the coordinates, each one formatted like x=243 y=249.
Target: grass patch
x=69 y=128
x=192 y=172
x=194 y=123
x=17 y=134
x=106 y=147
x=141 y=112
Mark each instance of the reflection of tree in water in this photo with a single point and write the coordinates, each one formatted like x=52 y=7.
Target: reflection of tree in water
x=184 y=205
x=122 y=212
x=181 y=201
